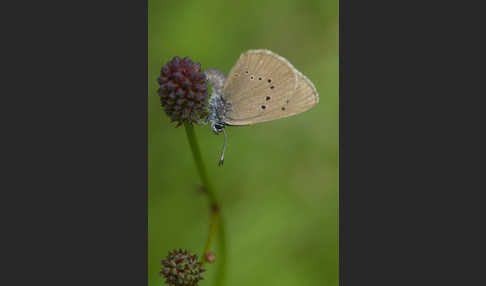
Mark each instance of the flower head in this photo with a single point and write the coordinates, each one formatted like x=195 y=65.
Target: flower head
x=181 y=268
x=183 y=91
x=210 y=257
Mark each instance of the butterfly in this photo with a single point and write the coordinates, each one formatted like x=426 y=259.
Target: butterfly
x=262 y=86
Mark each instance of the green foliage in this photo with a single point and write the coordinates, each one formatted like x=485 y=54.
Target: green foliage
x=279 y=184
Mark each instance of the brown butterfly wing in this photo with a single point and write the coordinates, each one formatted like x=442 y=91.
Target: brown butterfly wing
x=258 y=86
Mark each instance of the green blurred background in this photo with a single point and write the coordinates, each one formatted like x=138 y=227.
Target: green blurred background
x=279 y=183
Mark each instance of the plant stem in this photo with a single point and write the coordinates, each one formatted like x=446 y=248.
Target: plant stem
x=223 y=260
x=213 y=229
x=214 y=207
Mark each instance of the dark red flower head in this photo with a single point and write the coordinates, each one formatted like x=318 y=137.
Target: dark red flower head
x=183 y=91
x=181 y=268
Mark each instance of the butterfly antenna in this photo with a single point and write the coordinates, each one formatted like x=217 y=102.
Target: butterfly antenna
x=221 y=160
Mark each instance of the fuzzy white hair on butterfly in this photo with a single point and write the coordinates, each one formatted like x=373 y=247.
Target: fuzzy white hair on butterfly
x=262 y=86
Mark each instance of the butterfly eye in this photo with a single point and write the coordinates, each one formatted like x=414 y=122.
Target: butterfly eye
x=218 y=126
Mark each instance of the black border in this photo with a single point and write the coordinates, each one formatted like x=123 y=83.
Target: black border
x=407 y=118
x=76 y=182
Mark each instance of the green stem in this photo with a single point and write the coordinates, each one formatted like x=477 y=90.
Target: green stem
x=223 y=260
x=213 y=229
x=214 y=207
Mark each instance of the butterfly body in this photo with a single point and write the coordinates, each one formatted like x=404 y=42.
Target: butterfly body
x=217 y=113
x=262 y=86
